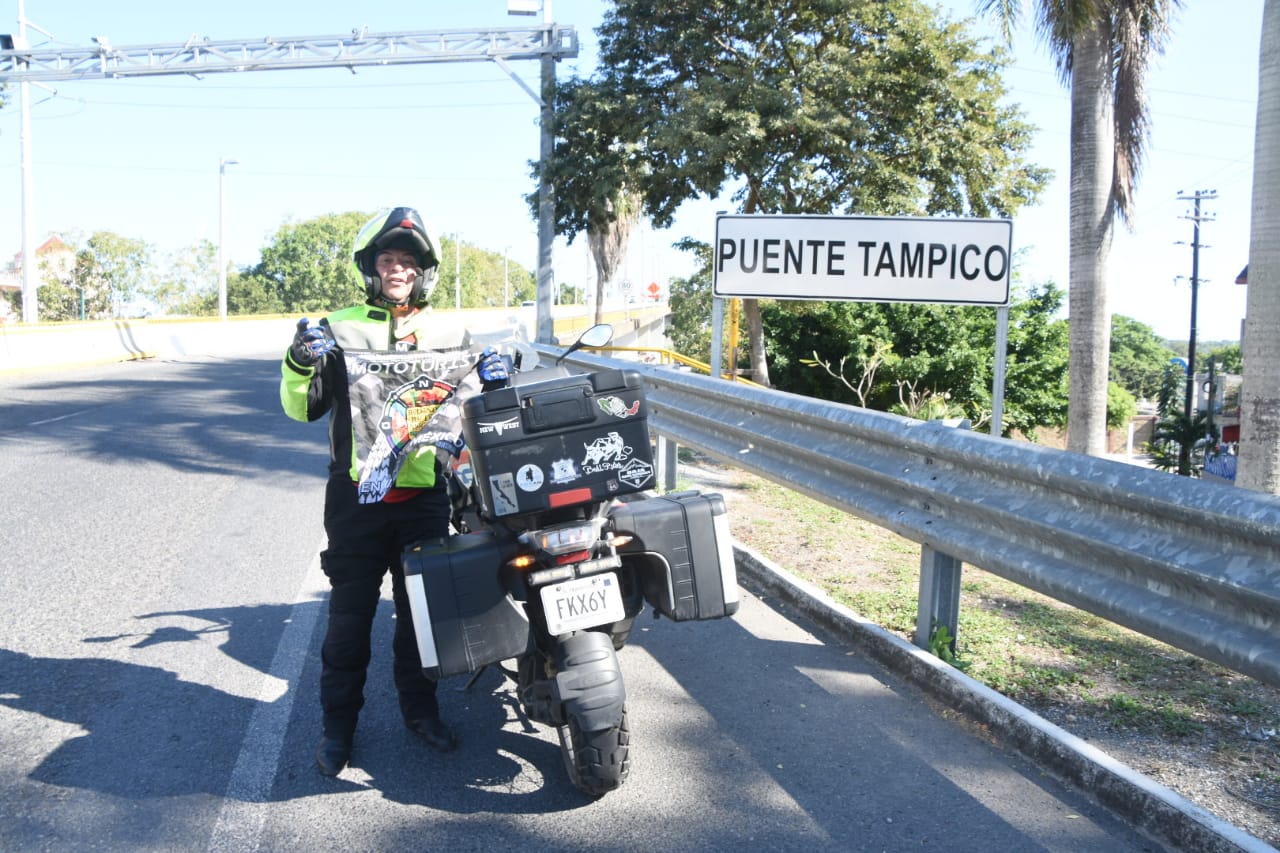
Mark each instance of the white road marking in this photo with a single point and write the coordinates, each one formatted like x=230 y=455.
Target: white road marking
x=245 y=803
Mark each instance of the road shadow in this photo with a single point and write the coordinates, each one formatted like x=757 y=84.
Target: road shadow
x=149 y=735
x=219 y=416
x=862 y=754
x=851 y=752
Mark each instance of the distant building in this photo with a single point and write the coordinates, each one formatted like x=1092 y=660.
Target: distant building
x=54 y=257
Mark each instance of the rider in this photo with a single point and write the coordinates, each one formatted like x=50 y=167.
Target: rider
x=398 y=257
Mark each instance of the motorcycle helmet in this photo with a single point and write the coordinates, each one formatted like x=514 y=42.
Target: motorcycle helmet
x=398 y=228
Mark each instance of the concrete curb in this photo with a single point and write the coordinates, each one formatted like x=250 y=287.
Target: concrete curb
x=1159 y=812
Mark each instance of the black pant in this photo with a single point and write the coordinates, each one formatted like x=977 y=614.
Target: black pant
x=365 y=542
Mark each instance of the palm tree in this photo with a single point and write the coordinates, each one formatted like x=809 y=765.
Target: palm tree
x=1102 y=49
x=607 y=237
x=1260 y=407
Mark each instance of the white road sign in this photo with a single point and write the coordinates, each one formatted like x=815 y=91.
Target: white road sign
x=864 y=258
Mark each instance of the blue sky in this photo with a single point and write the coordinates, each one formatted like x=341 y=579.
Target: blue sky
x=140 y=157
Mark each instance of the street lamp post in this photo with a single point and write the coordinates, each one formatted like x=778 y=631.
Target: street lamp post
x=506 y=277
x=222 y=230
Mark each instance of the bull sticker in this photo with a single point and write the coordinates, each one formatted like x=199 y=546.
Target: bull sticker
x=503 y=488
x=636 y=473
x=614 y=406
x=564 y=471
x=529 y=478
x=497 y=427
x=606 y=453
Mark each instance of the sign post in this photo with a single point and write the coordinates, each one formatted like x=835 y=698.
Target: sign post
x=940 y=260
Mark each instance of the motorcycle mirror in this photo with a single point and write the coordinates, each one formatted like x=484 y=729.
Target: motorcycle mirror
x=598 y=335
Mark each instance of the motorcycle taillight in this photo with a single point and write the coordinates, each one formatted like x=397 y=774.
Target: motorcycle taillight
x=566 y=539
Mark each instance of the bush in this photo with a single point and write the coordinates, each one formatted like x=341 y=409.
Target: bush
x=1121 y=406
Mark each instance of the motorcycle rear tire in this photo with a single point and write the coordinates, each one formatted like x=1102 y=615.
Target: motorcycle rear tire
x=598 y=762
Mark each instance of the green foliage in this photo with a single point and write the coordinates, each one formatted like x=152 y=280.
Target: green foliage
x=689 y=327
x=307 y=268
x=1175 y=431
x=591 y=165
x=111 y=274
x=11 y=304
x=1172 y=391
x=1228 y=359
x=59 y=300
x=1138 y=357
x=1121 y=406
x=487 y=279
x=249 y=294
x=943 y=646
x=1179 y=443
x=308 y=264
x=880 y=355
x=925 y=353
x=188 y=282
x=854 y=106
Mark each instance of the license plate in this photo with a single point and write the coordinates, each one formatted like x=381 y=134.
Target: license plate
x=582 y=603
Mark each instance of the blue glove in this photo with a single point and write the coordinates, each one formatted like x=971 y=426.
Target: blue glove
x=493 y=368
x=310 y=343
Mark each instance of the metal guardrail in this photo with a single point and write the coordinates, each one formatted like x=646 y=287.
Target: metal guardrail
x=1193 y=564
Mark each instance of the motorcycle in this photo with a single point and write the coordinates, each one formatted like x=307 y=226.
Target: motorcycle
x=558 y=547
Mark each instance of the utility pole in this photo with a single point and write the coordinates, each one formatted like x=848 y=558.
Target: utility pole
x=223 y=163
x=1184 y=452
x=457 y=271
x=30 y=265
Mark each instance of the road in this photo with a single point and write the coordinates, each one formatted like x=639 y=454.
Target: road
x=161 y=608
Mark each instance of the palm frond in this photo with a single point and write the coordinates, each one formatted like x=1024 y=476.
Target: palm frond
x=1140 y=29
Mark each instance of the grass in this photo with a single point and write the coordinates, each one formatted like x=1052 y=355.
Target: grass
x=1025 y=645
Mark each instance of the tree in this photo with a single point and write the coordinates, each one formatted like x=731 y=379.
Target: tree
x=593 y=171
x=60 y=295
x=1259 y=465
x=841 y=106
x=308 y=264
x=879 y=354
x=1227 y=358
x=112 y=272
x=915 y=354
x=608 y=242
x=1102 y=49
x=483 y=278
x=1179 y=442
x=1138 y=357
x=247 y=294
x=689 y=327
x=189 y=283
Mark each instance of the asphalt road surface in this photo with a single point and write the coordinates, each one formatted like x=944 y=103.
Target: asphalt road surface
x=161 y=609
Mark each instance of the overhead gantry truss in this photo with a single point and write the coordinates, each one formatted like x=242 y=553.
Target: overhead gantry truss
x=199 y=56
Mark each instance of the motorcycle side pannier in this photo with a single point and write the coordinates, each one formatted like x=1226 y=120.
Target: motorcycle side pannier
x=684 y=552
x=559 y=442
x=462 y=616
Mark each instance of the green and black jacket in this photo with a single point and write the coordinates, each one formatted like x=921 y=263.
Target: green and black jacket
x=309 y=393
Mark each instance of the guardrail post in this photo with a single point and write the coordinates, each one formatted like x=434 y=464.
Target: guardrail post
x=667 y=463
x=939 y=603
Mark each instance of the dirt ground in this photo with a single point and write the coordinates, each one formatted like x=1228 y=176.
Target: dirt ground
x=1230 y=764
